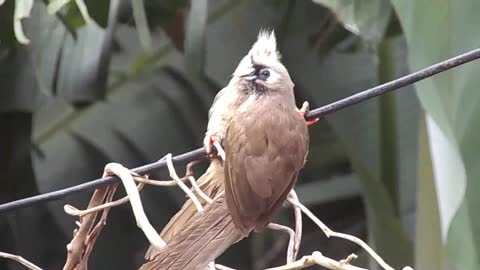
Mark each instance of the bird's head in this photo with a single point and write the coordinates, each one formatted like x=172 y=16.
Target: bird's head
x=260 y=70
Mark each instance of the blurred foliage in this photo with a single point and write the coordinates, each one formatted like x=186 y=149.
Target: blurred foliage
x=129 y=81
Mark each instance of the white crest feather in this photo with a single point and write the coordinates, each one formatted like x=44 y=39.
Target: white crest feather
x=264 y=50
x=266 y=46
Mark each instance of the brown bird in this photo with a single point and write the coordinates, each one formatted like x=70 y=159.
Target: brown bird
x=266 y=143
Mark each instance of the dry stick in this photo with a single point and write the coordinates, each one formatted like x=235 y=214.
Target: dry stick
x=317 y=259
x=81 y=239
x=73 y=211
x=142 y=221
x=329 y=233
x=20 y=260
x=95 y=232
x=195 y=186
x=298 y=224
x=185 y=189
x=291 y=242
x=222 y=267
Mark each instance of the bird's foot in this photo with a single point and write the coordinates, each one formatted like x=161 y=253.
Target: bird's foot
x=214 y=140
x=303 y=110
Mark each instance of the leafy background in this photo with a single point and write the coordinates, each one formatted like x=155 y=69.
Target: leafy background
x=87 y=82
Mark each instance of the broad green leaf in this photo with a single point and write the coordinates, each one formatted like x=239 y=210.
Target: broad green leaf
x=139 y=14
x=79 y=12
x=429 y=249
x=195 y=36
x=74 y=68
x=20 y=90
x=23 y=8
x=55 y=6
x=451 y=101
x=367 y=18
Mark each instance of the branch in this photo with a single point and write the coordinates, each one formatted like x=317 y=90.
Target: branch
x=201 y=154
x=20 y=260
x=318 y=259
x=330 y=233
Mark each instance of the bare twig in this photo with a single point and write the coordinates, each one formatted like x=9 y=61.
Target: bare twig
x=223 y=267
x=71 y=210
x=330 y=233
x=316 y=259
x=134 y=197
x=185 y=189
x=298 y=224
x=291 y=242
x=20 y=260
x=219 y=148
x=195 y=186
x=84 y=237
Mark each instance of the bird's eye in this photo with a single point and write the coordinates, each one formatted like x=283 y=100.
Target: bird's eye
x=263 y=74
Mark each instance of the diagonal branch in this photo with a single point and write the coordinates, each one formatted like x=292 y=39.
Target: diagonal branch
x=20 y=260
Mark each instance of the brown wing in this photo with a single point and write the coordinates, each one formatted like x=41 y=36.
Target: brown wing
x=264 y=152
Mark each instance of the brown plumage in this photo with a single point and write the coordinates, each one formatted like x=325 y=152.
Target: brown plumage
x=205 y=237
x=266 y=143
x=211 y=183
x=264 y=152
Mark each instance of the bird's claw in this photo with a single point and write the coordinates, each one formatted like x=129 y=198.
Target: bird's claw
x=303 y=110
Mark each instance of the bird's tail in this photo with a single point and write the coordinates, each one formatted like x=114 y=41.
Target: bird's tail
x=211 y=183
x=206 y=236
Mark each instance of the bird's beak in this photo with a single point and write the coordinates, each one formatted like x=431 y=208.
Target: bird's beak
x=250 y=76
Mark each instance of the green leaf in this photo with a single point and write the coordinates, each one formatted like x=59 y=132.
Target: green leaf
x=79 y=12
x=141 y=23
x=195 y=36
x=74 y=68
x=367 y=18
x=451 y=101
x=55 y=5
x=429 y=249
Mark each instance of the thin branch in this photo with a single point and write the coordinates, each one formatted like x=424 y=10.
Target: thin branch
x=134 y=197
x=185 y=189
x=73 y=211
x=222 y=267
x=201 y=154
x=20 y=260
x=317 y=259
x=298 y=224
x=291 y=242
x=330 y=233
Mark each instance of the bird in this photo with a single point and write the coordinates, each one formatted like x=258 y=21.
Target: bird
x=265 y=139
